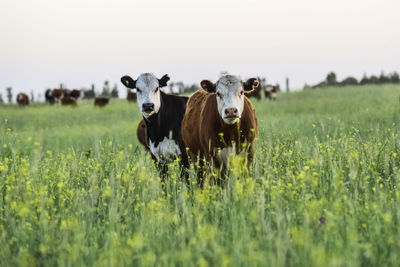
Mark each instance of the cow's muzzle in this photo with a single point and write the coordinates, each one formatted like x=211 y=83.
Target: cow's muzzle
x=231 y=113
x=148 y=107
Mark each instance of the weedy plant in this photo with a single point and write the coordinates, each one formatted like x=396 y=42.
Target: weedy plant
x=78 y=190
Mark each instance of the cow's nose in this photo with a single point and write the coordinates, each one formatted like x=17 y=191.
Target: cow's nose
x=147 y=107
x=231 y=112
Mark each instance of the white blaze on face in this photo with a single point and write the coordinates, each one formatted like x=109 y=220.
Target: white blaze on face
x=230 y=94
x=148 y=92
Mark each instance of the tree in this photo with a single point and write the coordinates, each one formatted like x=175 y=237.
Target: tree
x=394 y=77
x=373 y=79
x=349 y=81
x=1 y=99
x=89 y=93
x=181 y=86
x=331 y=78
x=9 y=94
x=114 y=91
x=171 y=87
x=106 y=89
x=383 y=78
x=364 y=80
x=32 y=96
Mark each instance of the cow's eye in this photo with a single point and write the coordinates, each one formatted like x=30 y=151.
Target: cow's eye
x=156 y=89
x=218 y=94
x=241 y=92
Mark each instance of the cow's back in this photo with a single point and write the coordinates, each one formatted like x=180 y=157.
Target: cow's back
x=190 y=122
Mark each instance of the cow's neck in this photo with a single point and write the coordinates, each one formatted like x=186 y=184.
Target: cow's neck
x=155 y=123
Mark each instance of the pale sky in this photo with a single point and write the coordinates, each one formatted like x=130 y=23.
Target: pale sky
x=79 y=42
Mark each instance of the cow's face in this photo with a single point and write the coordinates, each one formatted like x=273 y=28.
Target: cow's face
x=229 y=91
x=148 y=91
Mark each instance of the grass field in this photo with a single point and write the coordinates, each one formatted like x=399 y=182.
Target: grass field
x=78 y=190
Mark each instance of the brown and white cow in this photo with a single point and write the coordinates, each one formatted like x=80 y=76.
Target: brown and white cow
x=271 y=92
x=57 y=95
x=22 y=99
x=217 y=117
x=75 y=93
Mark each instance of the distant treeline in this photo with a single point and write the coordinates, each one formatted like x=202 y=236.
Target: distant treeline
x=373 y=79
x=89 y=93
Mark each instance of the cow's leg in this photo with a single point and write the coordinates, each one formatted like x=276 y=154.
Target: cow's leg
x=250 y=157
x=223 y=165
x=184 y=165
x=200 y=172
x=163 y=169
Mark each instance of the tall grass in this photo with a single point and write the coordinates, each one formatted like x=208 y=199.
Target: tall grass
x=78 y=190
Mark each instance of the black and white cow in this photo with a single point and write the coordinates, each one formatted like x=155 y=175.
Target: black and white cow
x=163 y=116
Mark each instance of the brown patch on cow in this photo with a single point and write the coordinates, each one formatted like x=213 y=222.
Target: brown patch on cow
x=58 y=94
x=131 y=96
x=204 y=131
x=69 y=101
x=75 y=93
x=22 y=99
x=101 y=101
x=141 y=133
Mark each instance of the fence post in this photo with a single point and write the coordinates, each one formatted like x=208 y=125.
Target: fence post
x=287 y=85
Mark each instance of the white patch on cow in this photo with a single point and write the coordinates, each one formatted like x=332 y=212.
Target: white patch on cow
x=166 y=151
x=20 y=97
x=148 y=93
x=229 y=93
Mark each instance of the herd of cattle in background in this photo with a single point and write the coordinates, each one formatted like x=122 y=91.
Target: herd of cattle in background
x=68 y=97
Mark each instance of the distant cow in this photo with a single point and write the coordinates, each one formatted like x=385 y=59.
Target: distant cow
x=101 y=101
x=22 y=99
x=57 y=94
x=48 y=97
x=216 y=117
x=270 y=92
x=68 y=101
x=131 y=96
x=77 y=94
x=163 y=116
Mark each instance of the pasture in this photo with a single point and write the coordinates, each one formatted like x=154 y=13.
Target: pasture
x=78 y=190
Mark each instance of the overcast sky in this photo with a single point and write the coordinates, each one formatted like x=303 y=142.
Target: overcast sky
x=79 y=42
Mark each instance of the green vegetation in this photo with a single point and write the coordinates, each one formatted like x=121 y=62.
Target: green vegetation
x=78 y=190
x=330 y=80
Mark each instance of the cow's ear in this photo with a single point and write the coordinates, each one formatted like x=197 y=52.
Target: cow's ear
x=208 y=86
x=250 y=85
x=163 y=81
x=128 y=82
